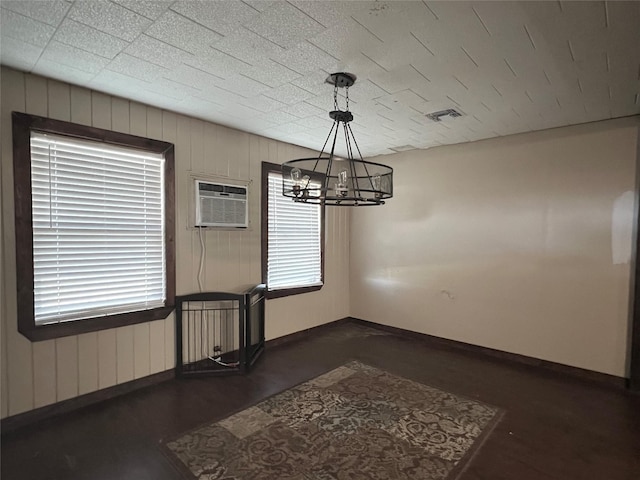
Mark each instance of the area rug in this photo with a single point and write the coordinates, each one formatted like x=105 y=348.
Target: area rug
x=354 y=422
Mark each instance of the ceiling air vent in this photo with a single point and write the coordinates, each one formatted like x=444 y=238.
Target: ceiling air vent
x=437 y=116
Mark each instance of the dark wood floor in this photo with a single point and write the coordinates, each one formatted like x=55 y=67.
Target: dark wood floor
x=555 y=427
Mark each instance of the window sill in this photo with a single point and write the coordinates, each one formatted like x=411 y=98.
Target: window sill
x=286 y=292
x=66 y=329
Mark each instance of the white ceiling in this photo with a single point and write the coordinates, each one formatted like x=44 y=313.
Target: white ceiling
x=260 y=65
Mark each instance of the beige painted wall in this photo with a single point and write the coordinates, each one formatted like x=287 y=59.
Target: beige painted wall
x=40 y=373
x=519 y=244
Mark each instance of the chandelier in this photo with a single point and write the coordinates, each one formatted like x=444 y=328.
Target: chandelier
x=331 y=180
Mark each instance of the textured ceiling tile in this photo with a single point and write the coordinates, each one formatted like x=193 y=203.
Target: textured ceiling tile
x=248 y=47
x=333 y=13
x=284 y=25
x=324 y=101
x=151 y=9
x=45 y=11
x=459 y=17
x=622 y=17
x=197 y=108
x=239 y=111
x=500 y=18
x=171 y=89
x=313 y=82
x=117 y=84
x=22 y=28
x=154 y=51
x=180 y=32
x=402 y=50
x=136 y=68
x=306 y=138
x=220 y=16
x=262 y=104
x=289 y=94
x=220 y=95
x=260 y=5
x=279 y=118
x=449 y=57
x=118 y=79
x=86 y=38
x=305 y=58
x=272 y=74
x=63 y=54
x=303 y=110
x=244 y=86
x=17 y=54
x=359 y=64
x=62 y=72
x=365 y=90
x=192 y=77
x=317 y=121
x=382 y=19
x=585 y=15
x=109 y=18
x=405 y=98
x=399 y=79
x=159 y=100
x=346 y=39
x=218 y=64
x=507 y=66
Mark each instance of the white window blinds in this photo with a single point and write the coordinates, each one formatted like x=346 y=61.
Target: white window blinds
x=98 y=229
x=294 y=254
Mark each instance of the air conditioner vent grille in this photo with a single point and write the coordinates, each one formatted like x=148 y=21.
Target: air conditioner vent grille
x=221 y=205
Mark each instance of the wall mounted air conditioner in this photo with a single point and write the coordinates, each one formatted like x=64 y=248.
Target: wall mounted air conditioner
x=221 y=205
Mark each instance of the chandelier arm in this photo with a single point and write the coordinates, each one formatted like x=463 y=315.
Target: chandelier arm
x=327 y=141
x=352 y=166
x=330 y=162
x=347 y=141
x=366 y=169
x=364 y=164
x=315 y=165
x=355 y=142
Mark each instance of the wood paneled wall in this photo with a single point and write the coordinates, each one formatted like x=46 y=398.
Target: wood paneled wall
x=40 y=373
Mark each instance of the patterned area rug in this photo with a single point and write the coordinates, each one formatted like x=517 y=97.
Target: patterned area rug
x=354 y=422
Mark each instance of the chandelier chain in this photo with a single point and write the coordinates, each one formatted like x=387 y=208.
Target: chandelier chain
x=335 y=98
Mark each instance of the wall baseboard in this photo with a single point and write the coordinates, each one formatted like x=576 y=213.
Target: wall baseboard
x=15 y=422
x=444 y=343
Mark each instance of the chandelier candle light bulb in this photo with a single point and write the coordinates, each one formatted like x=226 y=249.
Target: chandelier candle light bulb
x=341 y=186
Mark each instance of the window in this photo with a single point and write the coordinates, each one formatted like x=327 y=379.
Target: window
x=292 y=239
x=94 y=228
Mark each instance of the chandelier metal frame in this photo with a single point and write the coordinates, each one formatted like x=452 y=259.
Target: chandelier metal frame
x=331 y=180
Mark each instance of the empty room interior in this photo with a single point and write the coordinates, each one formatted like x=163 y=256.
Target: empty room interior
x=320 y=240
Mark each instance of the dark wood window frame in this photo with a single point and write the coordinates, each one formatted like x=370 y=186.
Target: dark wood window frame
x=284 y=292
x=23 y=124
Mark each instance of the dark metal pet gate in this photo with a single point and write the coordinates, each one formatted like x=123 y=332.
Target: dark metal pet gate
x=219 y=332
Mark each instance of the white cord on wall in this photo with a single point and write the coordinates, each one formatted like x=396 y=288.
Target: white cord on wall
x=202 y=254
